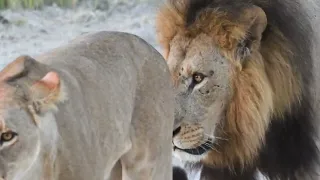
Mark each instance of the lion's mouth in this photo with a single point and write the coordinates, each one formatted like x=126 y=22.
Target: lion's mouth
x=203 y=148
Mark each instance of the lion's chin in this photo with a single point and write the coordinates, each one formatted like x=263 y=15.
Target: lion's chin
x=194 y=154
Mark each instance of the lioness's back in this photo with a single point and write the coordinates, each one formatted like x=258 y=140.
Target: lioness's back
x=104 y=49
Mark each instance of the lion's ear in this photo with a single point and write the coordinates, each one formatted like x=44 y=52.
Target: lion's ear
x=45 y=93
x=254 y=22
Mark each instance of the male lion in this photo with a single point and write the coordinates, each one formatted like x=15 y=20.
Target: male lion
x=84 y=110
x=243 y=74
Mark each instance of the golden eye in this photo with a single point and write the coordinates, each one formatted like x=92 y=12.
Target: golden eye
x=198 y=77
x=8 y=136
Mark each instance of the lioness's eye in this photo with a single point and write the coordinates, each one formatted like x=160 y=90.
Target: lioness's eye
x=198 y=77
x=8 y=136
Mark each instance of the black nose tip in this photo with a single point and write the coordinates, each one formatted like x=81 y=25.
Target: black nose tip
x=176 y=131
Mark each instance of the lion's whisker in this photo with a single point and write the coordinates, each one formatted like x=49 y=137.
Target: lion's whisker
x=202 y=148
x=211 y=147
x=215 y=137
x=220 y=138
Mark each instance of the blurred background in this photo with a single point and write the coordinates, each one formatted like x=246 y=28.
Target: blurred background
x=35 y=26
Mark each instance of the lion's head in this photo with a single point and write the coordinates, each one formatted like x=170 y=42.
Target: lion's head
x=24 y=101
x=229 y=81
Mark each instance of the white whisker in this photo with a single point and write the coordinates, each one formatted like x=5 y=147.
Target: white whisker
x=215 y=137
x=217 y=143
x=212 y=141
x=212 y=147
x=203 y=148
x=220 y=138
x=209 y=145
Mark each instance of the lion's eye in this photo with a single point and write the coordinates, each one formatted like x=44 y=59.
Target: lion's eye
x=198 y=77
x=8 y=136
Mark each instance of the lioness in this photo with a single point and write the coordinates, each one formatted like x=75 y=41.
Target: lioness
x=103 y=100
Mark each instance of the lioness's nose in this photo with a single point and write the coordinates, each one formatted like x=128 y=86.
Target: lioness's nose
x=176 y=131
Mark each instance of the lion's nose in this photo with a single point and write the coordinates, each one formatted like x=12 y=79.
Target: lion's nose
x=176 y=131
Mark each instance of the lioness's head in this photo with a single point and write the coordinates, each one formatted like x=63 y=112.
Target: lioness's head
x=25 y=104
x=225 y=87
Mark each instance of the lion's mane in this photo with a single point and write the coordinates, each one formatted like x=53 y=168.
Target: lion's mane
x=281 y=145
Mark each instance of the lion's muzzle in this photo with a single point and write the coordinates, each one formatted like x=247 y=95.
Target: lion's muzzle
x=190 y=139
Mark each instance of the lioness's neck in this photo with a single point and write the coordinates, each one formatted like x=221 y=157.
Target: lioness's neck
x=49 y=141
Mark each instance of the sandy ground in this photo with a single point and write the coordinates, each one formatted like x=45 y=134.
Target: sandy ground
x=34 y=32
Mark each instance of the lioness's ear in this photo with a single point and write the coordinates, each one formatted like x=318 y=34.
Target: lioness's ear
x=254 y=22
x=45 y=93
x=17 y=68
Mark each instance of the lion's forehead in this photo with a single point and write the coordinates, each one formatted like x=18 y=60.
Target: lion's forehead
x=205 y=62
x=202 y=50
